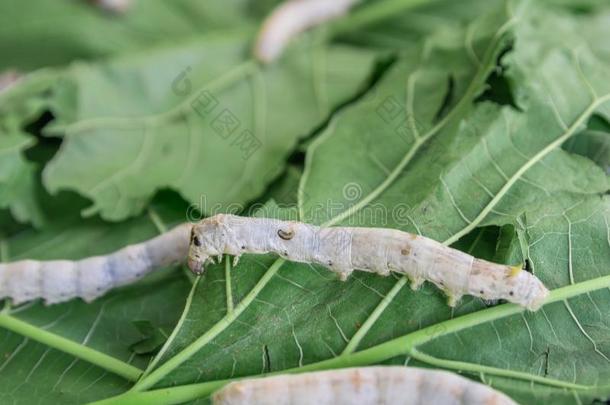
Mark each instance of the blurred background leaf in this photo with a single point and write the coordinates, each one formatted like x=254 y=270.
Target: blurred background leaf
x=39 y=33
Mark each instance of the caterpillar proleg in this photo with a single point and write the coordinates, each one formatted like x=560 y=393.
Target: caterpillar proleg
x=291 y=18
x=376 y=250
x=61 y=280
x=362 y=386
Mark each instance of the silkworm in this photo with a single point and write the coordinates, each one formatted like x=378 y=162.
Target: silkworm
x=362 y=386
x=61 y=280
x=291 y=18
x=377 y=250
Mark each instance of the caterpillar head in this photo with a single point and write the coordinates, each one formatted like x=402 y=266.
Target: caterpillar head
x=207 y=240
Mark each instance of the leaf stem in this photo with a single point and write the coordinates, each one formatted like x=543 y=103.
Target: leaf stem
x=207 y=337
x=479 y=368
x=165 y=396
x=78 y=350
x=404 y=345
x=170 y=340
x=155 y=218
x=352 y=345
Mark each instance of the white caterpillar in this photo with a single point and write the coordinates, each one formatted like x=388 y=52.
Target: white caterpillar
x=291 y=18
x=61 y=280
x=362 y=386
x=377 y=250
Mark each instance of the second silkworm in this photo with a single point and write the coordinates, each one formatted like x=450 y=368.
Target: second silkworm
x=291 y=18
x=362 y=386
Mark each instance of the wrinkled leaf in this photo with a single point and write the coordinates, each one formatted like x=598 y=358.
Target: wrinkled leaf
x=20 y=105
x=199 y=119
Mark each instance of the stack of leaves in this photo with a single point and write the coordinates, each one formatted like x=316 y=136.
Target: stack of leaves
x=485 y=126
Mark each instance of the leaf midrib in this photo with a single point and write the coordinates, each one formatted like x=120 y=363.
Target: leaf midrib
x=156 y=375
x=78 y=350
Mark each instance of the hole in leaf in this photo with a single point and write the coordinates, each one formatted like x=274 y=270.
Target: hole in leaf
x=498 y=88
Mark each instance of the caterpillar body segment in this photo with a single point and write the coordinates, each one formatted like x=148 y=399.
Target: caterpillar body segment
x=61 y=280
x=362 y=386
x=291 y=18
x=376 y=250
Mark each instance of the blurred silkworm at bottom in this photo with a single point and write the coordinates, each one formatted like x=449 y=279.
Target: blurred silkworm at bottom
x=362 y=386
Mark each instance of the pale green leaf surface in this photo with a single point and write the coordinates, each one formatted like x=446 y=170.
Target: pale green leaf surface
x=158 y=139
